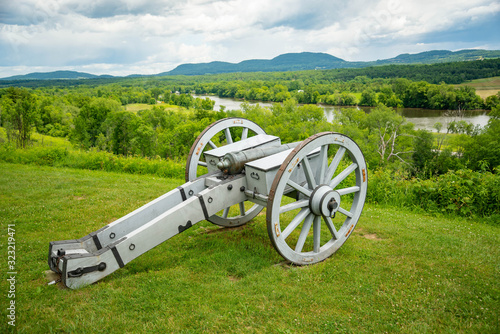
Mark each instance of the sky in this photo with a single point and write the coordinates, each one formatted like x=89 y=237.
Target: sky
x=122 y=37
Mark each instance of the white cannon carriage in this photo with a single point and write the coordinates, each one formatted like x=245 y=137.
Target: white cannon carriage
x=313 y=191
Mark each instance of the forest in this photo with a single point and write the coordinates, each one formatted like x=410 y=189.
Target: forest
x=453 y=170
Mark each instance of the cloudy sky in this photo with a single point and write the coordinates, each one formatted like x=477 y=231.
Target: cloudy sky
x=122 y=37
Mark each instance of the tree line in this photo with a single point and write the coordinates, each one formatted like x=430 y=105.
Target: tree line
x=101 y=123
x=364 y=91
x=397 y=93
x=450 y=73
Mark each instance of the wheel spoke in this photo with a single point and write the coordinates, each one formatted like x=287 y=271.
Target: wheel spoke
x=294 y=205
x=242 y=208
x=335 y=163
x=317 y=234
x=244 y=134
x=212 y=145
x=295 y=222
x=349 y=190
x=317 y=206
x=229 y=139
x=323 y=160
x=331 y=227
x=345 y=173
x=299 y=188
x=309 y=173
x=304 y=232
x=218 y=134
x=345 y=212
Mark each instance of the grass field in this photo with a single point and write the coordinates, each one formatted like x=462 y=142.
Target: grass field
x=38 y=139
x=399 y=272
x=135 y=107
x=485 y=87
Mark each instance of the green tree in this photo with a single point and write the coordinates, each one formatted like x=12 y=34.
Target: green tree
x=155 y=93
x=347 y=99
x=492 y=101
x=143 y=139
x=415 y=95
x=88 y=123
x=19 y=112
x=205 y=104
x=120 y=127
x=56 y=117
x=424 y=153
x=483 y=152
x=441 y=97
x=368 y=98
x=391 y=133
x=467 y=98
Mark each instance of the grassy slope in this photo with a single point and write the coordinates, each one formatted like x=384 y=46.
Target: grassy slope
x=485 y=87
x=39 y=139
x=399 y=271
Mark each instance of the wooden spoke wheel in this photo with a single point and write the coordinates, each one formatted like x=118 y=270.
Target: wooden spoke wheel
x=220 y=133
x=317 y=198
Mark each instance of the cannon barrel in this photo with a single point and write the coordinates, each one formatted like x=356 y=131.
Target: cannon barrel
x=234 y=162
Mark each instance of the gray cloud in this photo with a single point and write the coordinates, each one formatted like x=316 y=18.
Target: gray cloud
x=110 y=8
x=139 y=36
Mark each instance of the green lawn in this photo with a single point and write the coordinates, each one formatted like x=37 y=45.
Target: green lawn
x=135 y=107
x=399 y=272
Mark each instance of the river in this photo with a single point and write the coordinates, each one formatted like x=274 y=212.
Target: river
x=421 y=118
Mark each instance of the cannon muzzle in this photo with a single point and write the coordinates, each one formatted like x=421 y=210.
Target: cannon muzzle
x=234 y=162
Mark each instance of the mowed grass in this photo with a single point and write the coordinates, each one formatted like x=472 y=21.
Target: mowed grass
x=485 y=87
x=135 y=107
x=399 y=272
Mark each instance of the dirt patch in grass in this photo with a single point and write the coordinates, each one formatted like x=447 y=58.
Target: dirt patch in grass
x=284 y=264
x=53 y=278
x=365 y=234
x=216 y=229
x=372 y=236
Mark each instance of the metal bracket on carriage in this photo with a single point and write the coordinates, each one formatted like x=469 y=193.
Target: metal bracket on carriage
x=80 y=271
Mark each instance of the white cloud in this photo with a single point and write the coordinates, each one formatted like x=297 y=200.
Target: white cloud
x=139 y=36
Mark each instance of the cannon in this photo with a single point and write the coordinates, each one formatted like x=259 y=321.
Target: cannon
x=313 y=191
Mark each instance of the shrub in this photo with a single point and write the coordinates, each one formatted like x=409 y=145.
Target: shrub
x=464 y=192
x=92 y=160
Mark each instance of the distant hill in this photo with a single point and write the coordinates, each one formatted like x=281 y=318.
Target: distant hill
x=311 y=61
x=56 y=75
x=440 y=56
x=285 y=62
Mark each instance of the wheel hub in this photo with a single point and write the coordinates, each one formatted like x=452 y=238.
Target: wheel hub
x=324 y=201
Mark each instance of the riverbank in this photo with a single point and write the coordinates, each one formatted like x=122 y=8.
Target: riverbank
x=421 y=118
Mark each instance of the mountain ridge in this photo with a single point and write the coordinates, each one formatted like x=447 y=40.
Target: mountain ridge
x=60 y=74
x=284 y=62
